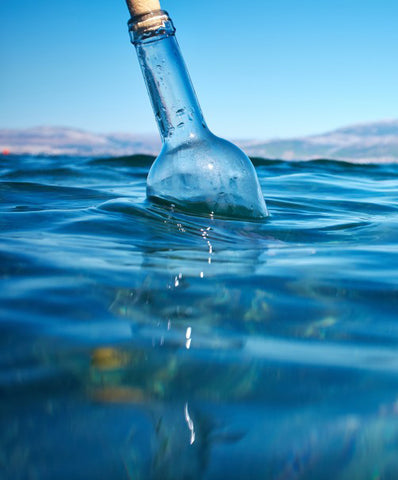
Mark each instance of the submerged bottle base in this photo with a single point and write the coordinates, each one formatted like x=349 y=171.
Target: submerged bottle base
x=209 y=209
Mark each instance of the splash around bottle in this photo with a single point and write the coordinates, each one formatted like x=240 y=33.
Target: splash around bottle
x=195 y=171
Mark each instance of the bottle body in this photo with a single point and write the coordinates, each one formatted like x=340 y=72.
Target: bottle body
x=207 y=175
x=195 y=170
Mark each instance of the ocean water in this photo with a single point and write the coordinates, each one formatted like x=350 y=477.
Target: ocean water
x=137 y=342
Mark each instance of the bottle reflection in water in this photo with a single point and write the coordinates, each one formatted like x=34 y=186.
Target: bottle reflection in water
x=195 y=170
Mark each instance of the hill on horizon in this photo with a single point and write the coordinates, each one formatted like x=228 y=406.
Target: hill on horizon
x=375 y=142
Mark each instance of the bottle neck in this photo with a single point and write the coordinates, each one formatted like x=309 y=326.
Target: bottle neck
x=173 y=98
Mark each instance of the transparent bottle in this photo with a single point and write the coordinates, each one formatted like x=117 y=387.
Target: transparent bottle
x=195 y=170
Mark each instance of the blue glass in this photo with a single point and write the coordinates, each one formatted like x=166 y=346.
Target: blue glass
x=195 y=170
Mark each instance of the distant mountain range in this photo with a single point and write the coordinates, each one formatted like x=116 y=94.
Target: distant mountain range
x=71 y=141
x=366 y=143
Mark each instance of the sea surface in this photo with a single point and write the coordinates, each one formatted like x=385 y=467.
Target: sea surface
x=138 y=342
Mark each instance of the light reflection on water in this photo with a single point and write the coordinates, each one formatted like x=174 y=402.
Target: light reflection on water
x=139 y=342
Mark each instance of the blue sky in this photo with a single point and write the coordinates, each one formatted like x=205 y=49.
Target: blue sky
x=276 y=69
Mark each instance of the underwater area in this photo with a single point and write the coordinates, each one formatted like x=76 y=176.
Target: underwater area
x=140 y=342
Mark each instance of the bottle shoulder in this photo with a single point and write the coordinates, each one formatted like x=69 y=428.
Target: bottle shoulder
x=204 y=144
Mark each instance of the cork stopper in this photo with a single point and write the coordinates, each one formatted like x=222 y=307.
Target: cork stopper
x=142 y=7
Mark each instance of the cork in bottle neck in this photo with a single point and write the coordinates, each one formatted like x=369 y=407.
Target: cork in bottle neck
x=150 y=26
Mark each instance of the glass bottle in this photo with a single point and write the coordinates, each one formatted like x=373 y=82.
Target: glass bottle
x=195 y=171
